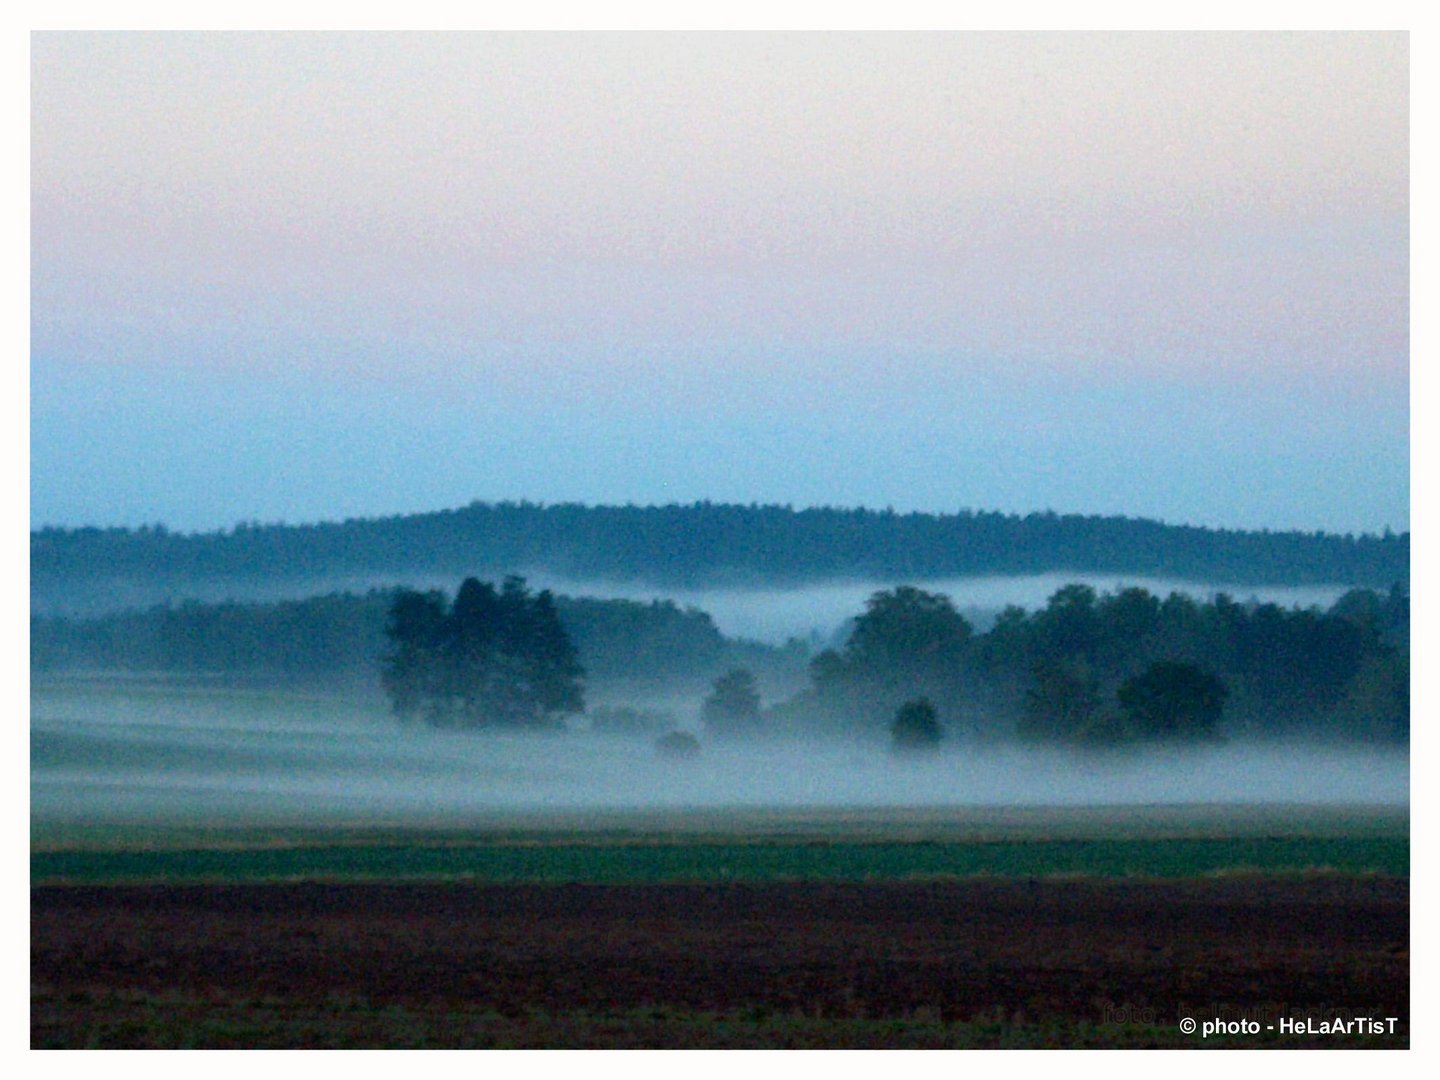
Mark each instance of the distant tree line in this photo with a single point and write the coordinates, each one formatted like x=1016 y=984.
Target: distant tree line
x=1085 y=669
x=1115 y=668
x=699 y=544
x=338 y=639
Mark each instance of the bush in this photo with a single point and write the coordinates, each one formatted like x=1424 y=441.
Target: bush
x=916 y=727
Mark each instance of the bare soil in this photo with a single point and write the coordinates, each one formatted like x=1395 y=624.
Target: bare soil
x=975 y=962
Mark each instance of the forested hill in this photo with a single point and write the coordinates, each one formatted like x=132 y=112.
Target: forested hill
x=709 y=544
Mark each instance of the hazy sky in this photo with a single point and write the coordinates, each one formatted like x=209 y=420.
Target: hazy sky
x=301 y=277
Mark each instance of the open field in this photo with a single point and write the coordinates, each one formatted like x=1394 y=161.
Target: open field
x=923 y=927
x=977 y=962
x=226 y=868
x=750 y=845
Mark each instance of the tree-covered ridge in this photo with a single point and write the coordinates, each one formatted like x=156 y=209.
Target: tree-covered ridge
x=339 y=638
x=712 y=543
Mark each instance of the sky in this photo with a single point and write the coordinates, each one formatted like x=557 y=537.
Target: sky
x=310 y=277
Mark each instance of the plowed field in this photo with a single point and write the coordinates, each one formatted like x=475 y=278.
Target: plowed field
x=963 y=962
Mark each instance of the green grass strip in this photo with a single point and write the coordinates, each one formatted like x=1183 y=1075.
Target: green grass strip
x=560 y=862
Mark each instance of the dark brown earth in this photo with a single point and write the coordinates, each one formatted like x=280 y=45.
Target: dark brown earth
x=953 y=963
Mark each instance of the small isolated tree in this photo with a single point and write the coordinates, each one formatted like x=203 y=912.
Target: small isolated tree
x=1171 y=700
x=916 y=727
x=733 y=707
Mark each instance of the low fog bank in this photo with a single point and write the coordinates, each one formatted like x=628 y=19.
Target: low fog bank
x=99 y=758
x=821 y=612
x=817 y=613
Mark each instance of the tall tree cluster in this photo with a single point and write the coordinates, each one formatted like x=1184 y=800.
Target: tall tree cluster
x=908 y=643
x=1090 y=668
x=496 y=658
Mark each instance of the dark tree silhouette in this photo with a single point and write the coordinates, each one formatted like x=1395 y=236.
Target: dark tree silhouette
x=1070 y=625
x=916 y=727
x=408 y=675
x=1063 y=703
x=733 y=707
x=495 y=659
x=907 y=643
x=1171 y=700
x=907 y=631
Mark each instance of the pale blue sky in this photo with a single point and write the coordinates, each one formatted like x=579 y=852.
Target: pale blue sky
x=302 y=278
